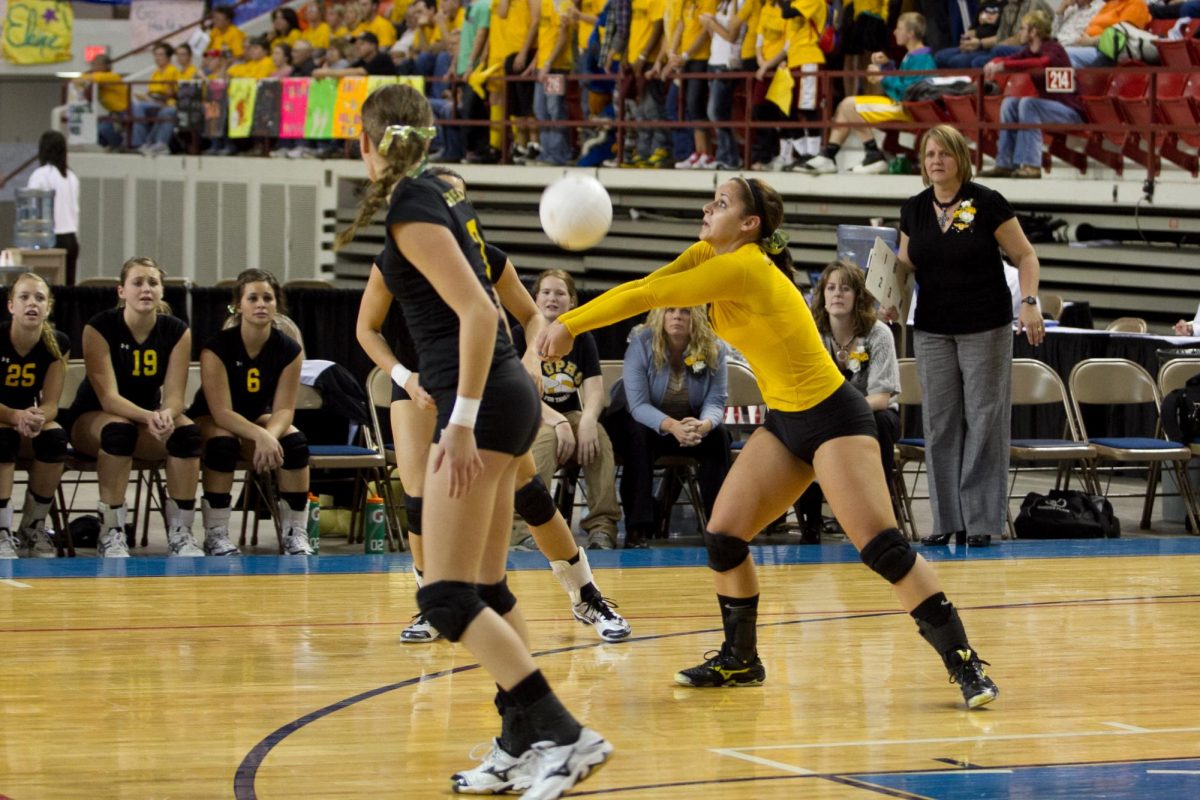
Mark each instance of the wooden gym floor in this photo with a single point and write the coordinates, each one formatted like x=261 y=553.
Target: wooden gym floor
x=266 y=677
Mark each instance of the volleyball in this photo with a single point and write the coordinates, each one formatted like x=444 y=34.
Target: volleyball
x=576 y=211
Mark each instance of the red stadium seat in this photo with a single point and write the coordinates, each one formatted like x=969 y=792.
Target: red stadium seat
x=1104 y=110
x=965 y=112
x=1182 y=111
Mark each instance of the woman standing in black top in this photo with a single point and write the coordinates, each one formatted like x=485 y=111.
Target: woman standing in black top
x=250 y=374
x=487 y=416
x=952 y=234
x=132 y=405
x=33 y=359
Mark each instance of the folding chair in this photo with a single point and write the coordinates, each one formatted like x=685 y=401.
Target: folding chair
x=1037 y=384
x=365 y=462
x=379 y=396
x=1174 y=375
x=1127 y=325
x=1115 y=381
x=909 y=450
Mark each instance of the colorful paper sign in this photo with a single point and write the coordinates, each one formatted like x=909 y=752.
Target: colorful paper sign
x=37 y=31
x=318 y=116
x=293 y=108
x=241 y=93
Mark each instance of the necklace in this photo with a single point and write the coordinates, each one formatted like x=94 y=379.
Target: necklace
x=842 y=353
x=942 y=216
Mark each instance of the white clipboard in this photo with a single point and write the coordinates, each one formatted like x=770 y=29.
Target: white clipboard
x=887 y=281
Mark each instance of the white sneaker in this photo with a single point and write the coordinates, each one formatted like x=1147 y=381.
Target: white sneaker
x=181 y=543
x=419 y=631
x=706 y=162
x=610 y=625
x=218 y=543
x=38 y=543
x=559 y=767
x=497 y=773
x=781 y=163
x=157 y=149
x=527 y=544
x=690 y=162
x=876 y=167
x=112 y=544
x=279 y=152
x=823 y=165
x=8 y=544
x=295 y=543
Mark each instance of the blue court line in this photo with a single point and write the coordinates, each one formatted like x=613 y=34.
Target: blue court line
x=656 y=557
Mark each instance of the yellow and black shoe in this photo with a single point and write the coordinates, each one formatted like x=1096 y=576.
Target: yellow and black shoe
x=723 y=668
x=967 y=670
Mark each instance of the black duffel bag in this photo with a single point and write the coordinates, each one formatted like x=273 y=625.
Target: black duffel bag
x=1066 y=515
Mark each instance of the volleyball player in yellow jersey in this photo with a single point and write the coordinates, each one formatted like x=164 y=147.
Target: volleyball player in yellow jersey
x=803 y=54
x=818 y=426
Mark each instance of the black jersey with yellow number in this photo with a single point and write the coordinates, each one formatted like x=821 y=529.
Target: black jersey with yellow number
x=403 y=347
x=431 y=322
x=252 y=381
x=140 y=367
x=22 y=376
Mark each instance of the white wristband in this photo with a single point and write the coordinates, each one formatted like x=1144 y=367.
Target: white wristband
x=400 y=375
x=465 y=410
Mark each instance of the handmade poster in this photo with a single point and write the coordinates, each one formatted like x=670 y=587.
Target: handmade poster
x=189 y=105
x=214 y=109
x=266 y=109
x=293 y=107
x=37 y=31
x=347 y=112
x=318 y=114
x=241 y=93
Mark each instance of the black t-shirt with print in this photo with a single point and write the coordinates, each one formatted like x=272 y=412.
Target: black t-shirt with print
x=960 y=274
x=140 y=367
x=563 y=377
x=431 y=322
x=22 y=376
x=403 y=347
x=252 y=381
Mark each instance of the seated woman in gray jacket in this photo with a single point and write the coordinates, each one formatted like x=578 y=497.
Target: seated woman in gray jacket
x=675 y=386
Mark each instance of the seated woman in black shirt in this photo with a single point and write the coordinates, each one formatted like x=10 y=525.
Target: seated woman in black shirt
x=132 y=405
x=34 y=357
x=250 y=376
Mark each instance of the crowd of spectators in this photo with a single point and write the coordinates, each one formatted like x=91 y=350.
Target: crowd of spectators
x=662 y=59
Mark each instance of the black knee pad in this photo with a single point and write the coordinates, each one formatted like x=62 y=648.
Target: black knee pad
x=50 y=446
x=118 y=438
x=725 y=552
x=10 y=444
x=497 y=596
x=534 y=503
x=450 y=606
x=221 y=453
x=295 y=450
x=890 y=555
x=184 y=442
x=412 y=509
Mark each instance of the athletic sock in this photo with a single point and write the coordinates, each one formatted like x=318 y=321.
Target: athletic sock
x=740 y=618
x=546 y=716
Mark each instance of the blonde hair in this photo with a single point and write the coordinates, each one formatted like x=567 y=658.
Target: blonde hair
x=953 y=143
x=48 y=337
x=396 y=105
x=1040 y=21
x=914 y=23
x=143 y=261
x=702 y=342
x=563 y=276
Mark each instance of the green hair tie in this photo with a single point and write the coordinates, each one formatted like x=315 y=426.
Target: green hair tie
x=775 y=243
x=425 y=132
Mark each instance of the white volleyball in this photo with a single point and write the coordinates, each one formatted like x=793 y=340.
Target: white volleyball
x=576 y=211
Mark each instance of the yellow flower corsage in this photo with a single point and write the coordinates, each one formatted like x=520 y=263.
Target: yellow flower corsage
x=857 y=359
x=697 y=364
x=964 y=215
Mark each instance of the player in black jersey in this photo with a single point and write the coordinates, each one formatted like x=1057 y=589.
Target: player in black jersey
x=132 y=405
x=487 y=415
x=250 y=376
x=33 y=360
x=413 y=424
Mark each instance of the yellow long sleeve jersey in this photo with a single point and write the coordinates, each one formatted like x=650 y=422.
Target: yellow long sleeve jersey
x=753 y=307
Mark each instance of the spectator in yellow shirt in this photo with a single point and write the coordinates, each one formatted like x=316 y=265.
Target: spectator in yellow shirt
x=258 y=63
x=186 y=67
x=113 y=96
x=383 y=29
x=285 y=27
x=156 y=104
x=225 y=35
x=335 y=17
x=550 y=90
x=318 y=32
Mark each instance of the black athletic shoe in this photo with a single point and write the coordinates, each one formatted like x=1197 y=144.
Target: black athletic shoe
x=723 y=668
x=967 y=670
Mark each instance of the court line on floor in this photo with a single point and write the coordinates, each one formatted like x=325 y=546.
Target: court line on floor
x=15 y=584
x=247 y=771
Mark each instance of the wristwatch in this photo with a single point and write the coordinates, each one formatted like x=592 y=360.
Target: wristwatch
x=1030 y=299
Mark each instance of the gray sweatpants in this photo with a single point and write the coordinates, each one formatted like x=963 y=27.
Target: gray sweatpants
x=966 y=381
